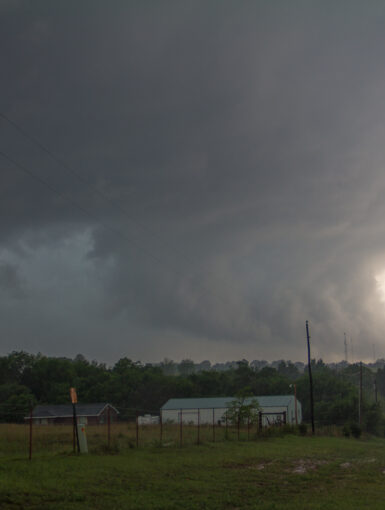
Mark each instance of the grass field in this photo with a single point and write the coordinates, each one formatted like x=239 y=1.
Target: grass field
x=14 y=438
x=278 y=473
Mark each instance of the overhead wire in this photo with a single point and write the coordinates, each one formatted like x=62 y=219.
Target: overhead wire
x=68 y=199
x=106 y=226
x=105 y=197
x=90 y=186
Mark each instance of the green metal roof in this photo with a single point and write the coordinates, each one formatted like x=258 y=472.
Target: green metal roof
x=223 y=402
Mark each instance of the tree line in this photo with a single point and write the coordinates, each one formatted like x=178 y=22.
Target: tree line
x=28 y=379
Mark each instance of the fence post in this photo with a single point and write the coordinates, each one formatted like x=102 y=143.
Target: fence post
x=248 y=428
x=75 y=422
x=161 y=428
x=199 y=423
x=213 y=425
x=108 y=427
x=30 y=433
x=238 y=425
x=137 y=430
x=181 y=428
x=226 y=431
x=260 y=421
x=73 y=438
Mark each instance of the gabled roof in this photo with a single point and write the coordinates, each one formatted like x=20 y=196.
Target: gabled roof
x=223 y=402
x=66 y=410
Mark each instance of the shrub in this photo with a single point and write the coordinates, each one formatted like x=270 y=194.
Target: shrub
x=271 y=432
x=289 y=429
x=355 y=430
x=302 y=428
x=346 y=431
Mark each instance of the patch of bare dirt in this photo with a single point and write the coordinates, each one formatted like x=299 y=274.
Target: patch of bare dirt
x=302 y=466
x=247 y=465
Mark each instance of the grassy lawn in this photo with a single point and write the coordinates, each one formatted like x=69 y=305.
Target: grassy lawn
x=291 y=473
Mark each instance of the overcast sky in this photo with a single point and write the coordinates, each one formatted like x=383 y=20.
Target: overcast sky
x=217 y=178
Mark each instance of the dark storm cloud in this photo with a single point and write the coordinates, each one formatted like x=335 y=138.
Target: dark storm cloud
x=240 y=146
x=10 y=281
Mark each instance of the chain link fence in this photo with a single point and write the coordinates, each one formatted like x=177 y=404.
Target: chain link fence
x=117 y=432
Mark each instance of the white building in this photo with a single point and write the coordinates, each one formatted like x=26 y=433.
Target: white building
x=148 y=419
x=272 y=409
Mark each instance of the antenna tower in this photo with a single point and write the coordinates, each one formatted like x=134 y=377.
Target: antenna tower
x=346 y=348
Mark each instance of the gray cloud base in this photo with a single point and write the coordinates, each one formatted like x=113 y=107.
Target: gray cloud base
x=242 y=146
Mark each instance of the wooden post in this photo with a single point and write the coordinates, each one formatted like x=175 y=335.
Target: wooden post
x=199 y=425
x=75 y=422
x=108 y=426
x=137 y=430
x=73 y=437
x=213 y=425
x=161 y=428
x=74 y=400
x=238 y=425
x=181 y=428
x=248 y=428
x=295 y=403
x=226 y=430
x=30 y=433
x=260 y=421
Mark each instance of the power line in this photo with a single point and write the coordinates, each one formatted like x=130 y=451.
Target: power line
x=102 y=195
x=114 y=230
x=44 y=182
x=76 y=205
x=84 y=181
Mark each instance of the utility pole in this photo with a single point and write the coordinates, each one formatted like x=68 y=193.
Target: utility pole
x=310 y=379
x=360 y=398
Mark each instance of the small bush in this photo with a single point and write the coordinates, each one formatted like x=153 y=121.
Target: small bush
x=271 y=431
x=289 y=429
x=302 y=428
x=277 y=431
x=346 y=431
x=355 y=430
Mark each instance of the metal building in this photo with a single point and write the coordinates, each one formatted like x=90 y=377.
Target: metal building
x=272 y=410
x=91 y=414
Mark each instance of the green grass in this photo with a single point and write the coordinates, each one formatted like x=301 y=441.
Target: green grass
x=277 y=473
x=14 y=438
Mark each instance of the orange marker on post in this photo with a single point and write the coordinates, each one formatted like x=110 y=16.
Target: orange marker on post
x=74 y=397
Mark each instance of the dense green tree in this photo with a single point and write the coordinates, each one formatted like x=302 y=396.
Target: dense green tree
x=13 y=367
x=15 y=402
x=288 y=370
x=186 y=367
x=132 y=386
x=169 y=367
x=242 y=409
